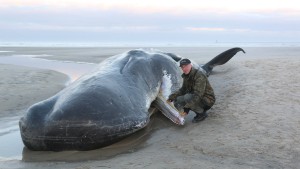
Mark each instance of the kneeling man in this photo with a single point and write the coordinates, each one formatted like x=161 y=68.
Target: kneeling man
x=196 y=93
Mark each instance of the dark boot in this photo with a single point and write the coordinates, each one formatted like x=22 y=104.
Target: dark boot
x=199 y=117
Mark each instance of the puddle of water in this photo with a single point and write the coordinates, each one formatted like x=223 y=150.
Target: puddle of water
x=11 y=146
x=73 y=69
x=4 y=51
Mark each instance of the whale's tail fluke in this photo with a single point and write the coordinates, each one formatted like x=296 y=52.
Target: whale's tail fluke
x=221 y=59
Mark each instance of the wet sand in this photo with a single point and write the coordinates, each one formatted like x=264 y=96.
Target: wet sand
x=254 y=123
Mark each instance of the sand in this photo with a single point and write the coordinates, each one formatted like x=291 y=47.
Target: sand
x=254 y=123
x=23 y=86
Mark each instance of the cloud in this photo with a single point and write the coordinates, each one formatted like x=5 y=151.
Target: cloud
x=157 y=6
x=47 y=27
x=155 y=20
x=204 y=29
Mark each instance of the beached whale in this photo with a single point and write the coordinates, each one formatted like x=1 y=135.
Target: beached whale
x=110 y=103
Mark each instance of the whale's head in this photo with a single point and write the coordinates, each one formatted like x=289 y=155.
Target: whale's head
x=165 y=66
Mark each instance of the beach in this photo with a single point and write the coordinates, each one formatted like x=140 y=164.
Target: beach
x=254 y=123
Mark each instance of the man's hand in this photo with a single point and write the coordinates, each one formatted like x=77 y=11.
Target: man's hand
x=172 y=97
x=169 y=100
x=183 y=114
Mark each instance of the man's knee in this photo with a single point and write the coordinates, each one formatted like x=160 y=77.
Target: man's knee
x=179 y=102
x=188 y=97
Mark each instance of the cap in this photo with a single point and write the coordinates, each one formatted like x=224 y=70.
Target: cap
x=184 y=62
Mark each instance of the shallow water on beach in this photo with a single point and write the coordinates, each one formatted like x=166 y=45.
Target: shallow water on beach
x=11 y=146
x=73 y=69
x=10 y=140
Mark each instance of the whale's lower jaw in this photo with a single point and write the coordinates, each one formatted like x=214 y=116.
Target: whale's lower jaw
x=168 y=110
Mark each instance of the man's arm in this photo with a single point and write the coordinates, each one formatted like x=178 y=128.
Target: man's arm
x=173 y=96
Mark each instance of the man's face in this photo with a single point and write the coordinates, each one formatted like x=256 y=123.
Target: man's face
x=186 y=68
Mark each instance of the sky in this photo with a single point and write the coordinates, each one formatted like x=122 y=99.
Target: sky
x=149 y=21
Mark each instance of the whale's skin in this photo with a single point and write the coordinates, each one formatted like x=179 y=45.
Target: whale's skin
x=103 y=106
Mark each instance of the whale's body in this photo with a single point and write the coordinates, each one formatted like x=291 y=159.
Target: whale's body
x=105 y=105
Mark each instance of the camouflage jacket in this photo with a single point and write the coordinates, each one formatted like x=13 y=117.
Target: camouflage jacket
x=197 y=84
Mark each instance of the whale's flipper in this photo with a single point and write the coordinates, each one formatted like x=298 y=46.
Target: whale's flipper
x=221 y=59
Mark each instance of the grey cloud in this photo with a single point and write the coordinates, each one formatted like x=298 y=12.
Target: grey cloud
x=21 y=24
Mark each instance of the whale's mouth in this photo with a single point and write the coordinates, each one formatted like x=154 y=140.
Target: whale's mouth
x=168 y=110
x=161 y=103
